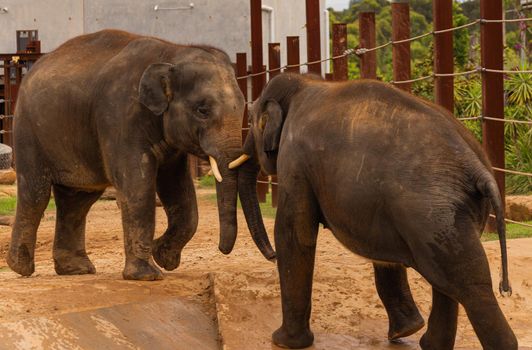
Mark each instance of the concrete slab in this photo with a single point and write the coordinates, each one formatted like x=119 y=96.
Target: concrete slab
x=176 y=324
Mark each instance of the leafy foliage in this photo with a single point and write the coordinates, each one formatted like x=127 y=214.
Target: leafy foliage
x=468 y=89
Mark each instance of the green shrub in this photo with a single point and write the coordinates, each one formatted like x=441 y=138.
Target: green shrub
x=8 y=205
x=207 y=181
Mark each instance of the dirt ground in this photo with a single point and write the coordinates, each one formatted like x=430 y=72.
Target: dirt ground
x=239 y=293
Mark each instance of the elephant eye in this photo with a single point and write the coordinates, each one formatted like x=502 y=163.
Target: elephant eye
x=203 y=110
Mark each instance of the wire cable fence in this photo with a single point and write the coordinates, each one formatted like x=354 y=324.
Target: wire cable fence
x=477 y=70
x=362 y=50
x=514 y=222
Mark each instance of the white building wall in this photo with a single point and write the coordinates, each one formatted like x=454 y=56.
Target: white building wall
x=220 y=23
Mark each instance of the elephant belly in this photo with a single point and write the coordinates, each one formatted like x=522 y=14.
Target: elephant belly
x=364 y=228
x=81 y=177
x=374 y=245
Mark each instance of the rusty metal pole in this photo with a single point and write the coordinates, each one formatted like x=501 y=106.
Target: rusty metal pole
x=274 y=63
x=292 y=54
x=368 y=60
x=443 y=53
x=274 y=59
x=313 y=35
x=339 y=47
x=241 y=71
x=258 y=81
x=491 y=45
x=401 y=52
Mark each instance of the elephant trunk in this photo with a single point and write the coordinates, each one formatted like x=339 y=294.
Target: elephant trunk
x=226 y=194
x=247 y=191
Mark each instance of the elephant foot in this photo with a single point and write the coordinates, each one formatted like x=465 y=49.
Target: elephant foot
x=141 y=270
x=404 y=326
x=283 y=339
x=165 y=255
x=427 y=344
x=20 y=260
x=68 y=263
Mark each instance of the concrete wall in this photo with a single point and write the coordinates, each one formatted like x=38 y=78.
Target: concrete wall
x=56 y=20
x=224 y=24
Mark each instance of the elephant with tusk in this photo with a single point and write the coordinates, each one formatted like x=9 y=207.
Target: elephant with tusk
x=114 y=108
x=397 y=180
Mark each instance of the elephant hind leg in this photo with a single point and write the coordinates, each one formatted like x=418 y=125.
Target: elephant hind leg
x=70 y=257
x=33 y=188
x=403 y=315
x=457 y=268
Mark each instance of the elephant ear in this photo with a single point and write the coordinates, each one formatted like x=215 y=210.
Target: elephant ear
x=154 y=88
x=272 y=120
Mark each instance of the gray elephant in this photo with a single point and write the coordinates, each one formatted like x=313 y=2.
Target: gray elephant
x=114 y=108
x=397 y=180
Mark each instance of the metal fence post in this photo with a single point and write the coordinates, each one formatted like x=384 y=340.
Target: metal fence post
x=292 y=54
x=258 y=81
x=443 y=53
x=242 y=70
x=274 y=63
x=401 y=52
x=313 y=35
x=339 y=48
x=491 y=43
x=368 y=60
x=274 y=59
x=7 y=102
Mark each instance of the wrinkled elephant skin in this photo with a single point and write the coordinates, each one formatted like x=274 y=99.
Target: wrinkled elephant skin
x=114 y=108
x=397 y=180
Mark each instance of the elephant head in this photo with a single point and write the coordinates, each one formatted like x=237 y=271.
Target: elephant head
x=262 y=145
x=267 y=116
x=201 y=108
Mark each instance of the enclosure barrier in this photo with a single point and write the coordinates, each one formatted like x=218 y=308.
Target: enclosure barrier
x=368 y=69
x=490 y=68
x=361 y=51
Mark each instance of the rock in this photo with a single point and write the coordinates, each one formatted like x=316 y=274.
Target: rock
x=8 y=191
x=6 y=156
x=8 y=176
x=6 y=220
x=519 y=208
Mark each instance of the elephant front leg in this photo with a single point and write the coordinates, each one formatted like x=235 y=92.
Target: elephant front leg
x=176 y=191
x=296 y=228
x=403 y=315
x=138 y=220
x=441 y=332
x=136 y=193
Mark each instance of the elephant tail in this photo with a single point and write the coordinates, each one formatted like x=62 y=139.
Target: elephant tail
x=487 y=185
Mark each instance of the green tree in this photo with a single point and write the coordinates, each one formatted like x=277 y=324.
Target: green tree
x=460 y=37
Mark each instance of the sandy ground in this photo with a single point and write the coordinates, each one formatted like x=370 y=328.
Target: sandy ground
x=240 y=292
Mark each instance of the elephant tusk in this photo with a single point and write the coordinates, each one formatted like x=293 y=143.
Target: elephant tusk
x=215 y=170
x=239 y=161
